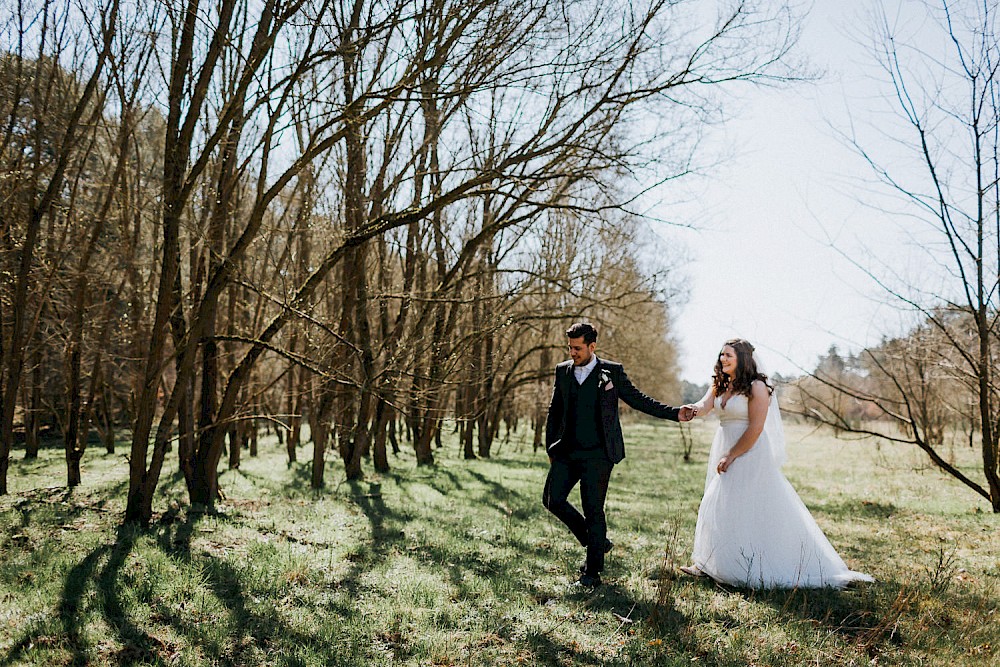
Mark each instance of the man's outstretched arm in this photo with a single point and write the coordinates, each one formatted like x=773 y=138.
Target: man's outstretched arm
x=643 y=403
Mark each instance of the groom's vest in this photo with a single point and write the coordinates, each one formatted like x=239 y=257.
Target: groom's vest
x=583 y=422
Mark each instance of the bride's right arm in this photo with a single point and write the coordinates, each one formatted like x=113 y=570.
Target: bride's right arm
x=707 y=402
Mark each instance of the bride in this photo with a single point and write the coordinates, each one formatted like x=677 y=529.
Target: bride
x=753 y=530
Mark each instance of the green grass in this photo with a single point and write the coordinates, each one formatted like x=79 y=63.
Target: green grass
x=460 y=565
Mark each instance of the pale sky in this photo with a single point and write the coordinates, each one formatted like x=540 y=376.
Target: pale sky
x=762 y=267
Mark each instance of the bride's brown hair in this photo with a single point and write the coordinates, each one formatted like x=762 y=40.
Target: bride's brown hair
x=746 y=371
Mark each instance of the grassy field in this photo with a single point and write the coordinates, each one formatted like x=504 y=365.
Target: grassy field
x=460 y=565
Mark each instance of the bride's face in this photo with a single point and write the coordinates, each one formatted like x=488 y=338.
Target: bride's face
x=728 y=360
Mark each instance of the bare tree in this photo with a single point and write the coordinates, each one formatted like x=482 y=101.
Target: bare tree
x=46 y=169
x=565 y=139
x=947 y=102
x=182 y=169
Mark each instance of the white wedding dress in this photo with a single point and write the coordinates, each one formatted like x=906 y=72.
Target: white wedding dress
x=753 y=530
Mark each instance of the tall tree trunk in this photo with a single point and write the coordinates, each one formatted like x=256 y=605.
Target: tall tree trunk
x=292 y=401
x=33 y=405
x=544 y=364
x=143 y=478
x=71 y=437
x=472 y=390
x=184 y=108
x=486 y=396
x=431 y=417
x=379 y=434
x=186 y=425
x=355 y=325
x=320 y=436
x=391 y=429
x=468 y=433
x=356 y=442
x=107 y=416
x=77 y=430
x=986 y=423
x=208 y=313
x=253 y=434
x=236 y=442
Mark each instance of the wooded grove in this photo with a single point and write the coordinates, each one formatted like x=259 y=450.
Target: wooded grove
x=353 y=220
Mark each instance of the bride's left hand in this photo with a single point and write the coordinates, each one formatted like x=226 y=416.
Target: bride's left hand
x=724 y=464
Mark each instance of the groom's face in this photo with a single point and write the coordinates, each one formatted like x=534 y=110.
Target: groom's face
x=581 y=352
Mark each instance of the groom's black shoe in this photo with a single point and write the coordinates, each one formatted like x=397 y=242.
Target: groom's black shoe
x=608 y=546
x=588 y=581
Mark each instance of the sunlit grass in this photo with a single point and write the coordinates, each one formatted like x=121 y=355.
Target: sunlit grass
x=460 y=565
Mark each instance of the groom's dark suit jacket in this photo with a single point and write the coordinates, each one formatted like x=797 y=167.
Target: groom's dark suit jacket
x=613 y=384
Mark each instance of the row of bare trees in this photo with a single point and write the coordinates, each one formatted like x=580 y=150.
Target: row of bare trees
x=916 y=389
x=366 y=216
x=937 y=383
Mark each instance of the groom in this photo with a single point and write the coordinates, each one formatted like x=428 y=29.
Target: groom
x=584 y=441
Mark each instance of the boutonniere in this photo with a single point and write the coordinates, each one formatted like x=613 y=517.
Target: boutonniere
x=605 y=382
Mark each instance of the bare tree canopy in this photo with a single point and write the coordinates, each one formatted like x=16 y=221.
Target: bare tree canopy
x=359 y=217
x=937 y=383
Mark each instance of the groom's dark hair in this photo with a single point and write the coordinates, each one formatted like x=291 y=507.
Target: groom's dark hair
x=583 y=330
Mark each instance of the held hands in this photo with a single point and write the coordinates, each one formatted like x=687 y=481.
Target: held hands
x=687 y=412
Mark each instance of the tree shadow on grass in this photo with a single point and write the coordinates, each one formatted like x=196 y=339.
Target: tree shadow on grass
x=495 y=487
x=174 y=531
x=610 y=603
x=103 y=569
x=138 y=646
x=444 y=481
x=62 y=507
x=546 y=649
x=386 y=524
x=60 y=501
x=263 y=629
x=855 y=509
x=465 y=563
x=872 y=616
x=388 y=534
x=248 y=626
x=539 y=462
x=855 y=614
x=69 y=605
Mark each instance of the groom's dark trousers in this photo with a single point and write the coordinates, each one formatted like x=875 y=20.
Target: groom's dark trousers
x=584 y=440
x=593 y=472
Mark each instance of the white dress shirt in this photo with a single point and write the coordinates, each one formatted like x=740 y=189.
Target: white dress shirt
x=582 y=372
